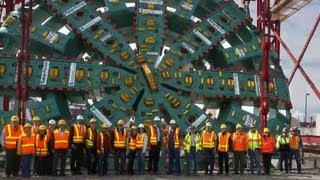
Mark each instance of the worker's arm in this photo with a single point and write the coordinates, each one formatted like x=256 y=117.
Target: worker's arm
x=145 y=144
x=71 y=134
x=2 y=139
x=19 y=146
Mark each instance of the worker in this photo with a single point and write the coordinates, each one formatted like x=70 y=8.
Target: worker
x=91 y=147
x=60 y=144
x=11 y=133
x=42 y=151
x=141 y=145
x=239 y=147
x=175 y=145
x=50 y=131
x=118 y=145
x=103 y=150
x=192 y=145
x=76 y=139
x=267 y=148
x=223 y=148
x=283 y=148
x=155 y=134
x=36 y=122
x=254 y=145
x=208 y=144
x=26 y=148
x=295 y=145
x=131 y=149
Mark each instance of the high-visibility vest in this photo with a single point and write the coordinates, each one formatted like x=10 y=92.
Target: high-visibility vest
x=89 y=138
x=153 y=135
x=101 y=142
x=27 y=144
x=208 y=139
x=61 y=141
x=267 y=144
x=140 y=140
x=78 y=134
x=239 y=142
x=254 y=140
x=176 y=138
x=11 y=136
x=223 y=145
x=132 y=144
x=42 y=145
x=187 y=142
x=294 y=142
x=120 y=140
x=283 y=143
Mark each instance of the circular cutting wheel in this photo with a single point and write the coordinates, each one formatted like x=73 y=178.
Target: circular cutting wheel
x=188 y=60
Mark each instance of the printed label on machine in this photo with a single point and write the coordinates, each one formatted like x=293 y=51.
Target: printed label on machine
x=153 y=53
x=201 y=36
x=185 y=45
x=249 y=121
x=151 y=2
x=187 y=5
x=72 y=74
x=105 y=37
x=199 y=120
x=240 y=52
x=90 y=23
x=148 y=11
x=74 y=8
x=100 y=116
x=44 y=72
x=28 y=115
x=51 y=37
x=257 y=82
x=216 y=26
x=236 y=83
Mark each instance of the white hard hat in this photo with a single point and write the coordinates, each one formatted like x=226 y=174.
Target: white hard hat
x=52 y=121
x=132 y=119
x=172 y=121
x=141 y=125
x=79 y=117
x=208 y=124
x=156 y=118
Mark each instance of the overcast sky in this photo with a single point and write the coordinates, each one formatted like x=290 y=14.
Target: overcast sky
x=294 y=32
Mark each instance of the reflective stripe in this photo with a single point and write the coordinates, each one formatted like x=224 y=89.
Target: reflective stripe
x=42 y=145
x=11 y=137
x=294 y=142
x=207 y=142
x=119 y=141
x=89 y=140
x=132 y=144
x=61 y=141
x=223 y=145
x=27 y=144
x=254 y=140
x=78 y=135
x=140 y=140
x=153 y=138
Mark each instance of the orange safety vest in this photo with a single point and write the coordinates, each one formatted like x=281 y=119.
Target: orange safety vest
x=11 y=136
x=61 y=141
x=120 y=140
x=89 y=138
x=140 y=140
x=27 y=144
x=42 y=145
x=132 y=144
x=223 y=145
x=294 y=142
x=153 y=135
x=78 y=134
x=208 y=139
x=239 y=142
x=267 y=144
x=176 y=138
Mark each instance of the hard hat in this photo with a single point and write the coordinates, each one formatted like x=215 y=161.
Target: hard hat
x=79 y=117
x=141 y=125
x=157 y=118
x=42 y=127
x=134 y=127
x=238 y=126
x=223 y=126
x=172 y=121
x=93 y=120
x=52 y=121
x=208 y=124
x=132 y=119
x=27 y=125
x=36 y=118
x=120 y=122
x=62 y=122
x=14 y=118
x=285 y=129
x=295 y=128
x=266 y=130
x=104 y=125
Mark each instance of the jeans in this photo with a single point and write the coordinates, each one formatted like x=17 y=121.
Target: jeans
x=77 y=158
x=192 y=156
x=91 y=166
x=296 y=155
x=131 y=156
x=239 y=159
x=254 y=160
x=174 y=159
x=208 y=155
x=119 y=154
x=284 y=156
x=223 y=157
x=12 y=162
x=62 y=155
x=102 y=167
x=154 y=155
x=266 y=157
x=140 y=158
x=41 y=165
x=26 y=165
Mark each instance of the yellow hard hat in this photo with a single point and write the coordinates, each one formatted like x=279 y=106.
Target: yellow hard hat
x=105 y=126
x=238 y=126
x=62 y=122
x=93 y=120
x=42 y=127
x=120 y=122
x=223 y=126
x=134 y=127
x=36 y=118
x=15 y=118
x=266 y=130
x=27 y=125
